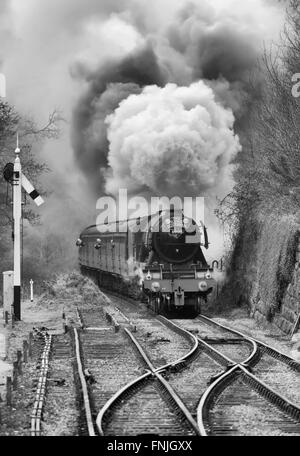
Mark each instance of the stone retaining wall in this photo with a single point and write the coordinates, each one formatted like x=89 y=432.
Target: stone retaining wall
x=286 y=318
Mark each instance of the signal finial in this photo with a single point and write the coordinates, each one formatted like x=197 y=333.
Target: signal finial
x=17 y=151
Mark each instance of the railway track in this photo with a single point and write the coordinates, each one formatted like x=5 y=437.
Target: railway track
x=264 y=349
x=231 y=398
x=223 y=346
x=160 y=342
x=268 y=364
x=215 y=365
x=238 y=399
x=238 y=396
x=234 y=346
x=61 y=393
x=238 y=403
x=106 y=363
x=54 y=387
x=145 y=404
x=41 y=387
x=149 y=404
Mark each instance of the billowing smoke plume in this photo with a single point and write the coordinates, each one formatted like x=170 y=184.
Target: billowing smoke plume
x=108 y=87
x=172 y=141
x=150 y=138
x=217 y=41
x=89 y=59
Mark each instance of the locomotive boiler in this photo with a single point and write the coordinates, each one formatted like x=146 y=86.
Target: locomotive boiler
x=161 y=255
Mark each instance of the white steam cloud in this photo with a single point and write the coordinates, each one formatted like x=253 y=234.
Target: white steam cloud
x=170 y=141
x=179 y=42
x=97 y=59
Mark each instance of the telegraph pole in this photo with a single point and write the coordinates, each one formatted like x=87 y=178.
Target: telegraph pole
x=17 y=215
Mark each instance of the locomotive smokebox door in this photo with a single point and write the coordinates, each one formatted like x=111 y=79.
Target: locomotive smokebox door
x=179 y=297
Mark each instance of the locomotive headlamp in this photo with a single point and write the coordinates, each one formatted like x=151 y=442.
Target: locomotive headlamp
x=148 y=276
x=98 y=245
x=155 y=287
x=79 y=242
x=202 y=285
x=208 y=275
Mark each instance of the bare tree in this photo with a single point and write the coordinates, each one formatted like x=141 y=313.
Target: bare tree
x=267 y=171
x=29 y=133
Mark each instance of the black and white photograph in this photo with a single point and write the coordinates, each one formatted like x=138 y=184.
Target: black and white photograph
x=150 y=222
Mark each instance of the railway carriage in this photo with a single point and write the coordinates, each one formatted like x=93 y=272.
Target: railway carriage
x=158 y=255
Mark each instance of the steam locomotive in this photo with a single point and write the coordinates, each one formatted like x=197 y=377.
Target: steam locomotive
x=161 y=254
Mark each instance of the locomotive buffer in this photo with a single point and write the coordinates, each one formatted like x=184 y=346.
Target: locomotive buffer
x=13 y=174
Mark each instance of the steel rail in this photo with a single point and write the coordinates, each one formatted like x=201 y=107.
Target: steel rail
x=232 y=369
x=271 y=395
x=113 y=401
x=84 y=388
x=209 y=395
x=156 y=372
x=140 y=350
x=254 y=355
x=123 y=315
x=270 y=350
x=216 y=354
x=219 y=385
x=183 y=360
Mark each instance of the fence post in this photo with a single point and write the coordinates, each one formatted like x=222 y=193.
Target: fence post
x=15 y=375
x=25 y=351
x=30 y=345
x=65 y=326
x=8 y=390
x=12 y=317
x=19 y=361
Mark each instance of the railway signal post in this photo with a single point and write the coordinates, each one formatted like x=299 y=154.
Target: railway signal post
x=13 y=174
x=17 y=215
